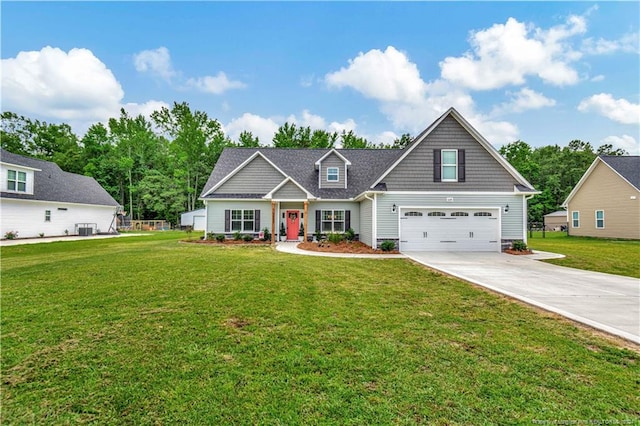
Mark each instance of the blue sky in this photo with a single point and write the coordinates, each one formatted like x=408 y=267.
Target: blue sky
x=542 y=72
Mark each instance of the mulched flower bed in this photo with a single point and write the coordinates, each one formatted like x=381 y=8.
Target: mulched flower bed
x=355 y=247
x=230 y=242
x=518 y=252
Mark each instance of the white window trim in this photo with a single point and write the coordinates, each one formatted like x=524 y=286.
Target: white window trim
x=333 y=220
x=337 y=173
x=47 y=215
x=596 y=217
x=17 y=181
x=242 y=220
x=573 y=220
x=442 y=165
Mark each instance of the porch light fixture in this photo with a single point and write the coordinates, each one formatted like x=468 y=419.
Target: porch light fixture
x=393 y=208
x=506 y=208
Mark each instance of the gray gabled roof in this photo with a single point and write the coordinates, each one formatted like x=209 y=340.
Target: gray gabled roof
x=51 y=183
x=627 y=166
x=299 y=164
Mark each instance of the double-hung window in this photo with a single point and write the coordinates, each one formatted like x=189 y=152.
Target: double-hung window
x=16 y=181
x=449 y=165
x=47 y=215
x=575 y=219
x=599 y=219
x=332 y=221
x=242 y=220
x=333 y=174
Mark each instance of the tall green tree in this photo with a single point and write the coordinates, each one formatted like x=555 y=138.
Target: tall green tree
x=196 y=142
x=247 y=140
x=350 y=140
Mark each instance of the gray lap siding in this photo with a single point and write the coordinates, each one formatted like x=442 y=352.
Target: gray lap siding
x=257 y=177
x=216 y=216
x=482 y=171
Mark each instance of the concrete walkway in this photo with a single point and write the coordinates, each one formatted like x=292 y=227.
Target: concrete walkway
x=607 y=302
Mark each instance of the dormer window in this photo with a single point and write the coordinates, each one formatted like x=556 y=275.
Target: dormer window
x=16 y=181
x=333 y=174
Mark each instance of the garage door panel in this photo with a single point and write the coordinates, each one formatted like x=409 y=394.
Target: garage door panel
x=449 y=230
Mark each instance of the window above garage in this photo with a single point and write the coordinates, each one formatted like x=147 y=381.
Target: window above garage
x=449 y=165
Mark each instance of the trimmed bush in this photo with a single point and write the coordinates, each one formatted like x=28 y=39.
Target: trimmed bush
x=237 y=236
x=349 y=235
x=334 y=237
x=247 y=237
x=519 y=245
x=220 y=238
x=388 y=246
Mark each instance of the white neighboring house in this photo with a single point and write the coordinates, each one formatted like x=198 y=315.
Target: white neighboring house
x=194 y=218
x=38 y=197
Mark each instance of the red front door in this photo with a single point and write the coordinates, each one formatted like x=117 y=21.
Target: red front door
x=293 y=224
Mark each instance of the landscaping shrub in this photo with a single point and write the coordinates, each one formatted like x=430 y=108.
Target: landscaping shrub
x=349 y=235
x=220 y=238
x=247 y=237
x=237 y=236
x=211 y=236
x=334 y=237
x=519 y=245
x=10 y=235
x=388 y=245
x=318 y=235
x=267 y=234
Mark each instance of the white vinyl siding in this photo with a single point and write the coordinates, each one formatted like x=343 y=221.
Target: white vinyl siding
x=575 y=219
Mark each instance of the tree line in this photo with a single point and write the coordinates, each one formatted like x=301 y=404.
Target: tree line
x=157 y=167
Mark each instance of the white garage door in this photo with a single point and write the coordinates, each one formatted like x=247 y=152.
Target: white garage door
x=449 y=230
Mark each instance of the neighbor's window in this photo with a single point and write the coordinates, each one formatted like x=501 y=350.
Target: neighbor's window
x=16 y=181
x=449 y=165
x=575 y=219
x=242 y=220
x=47 y=215
x=599 y=219
x=332 y=221
x=333 y=174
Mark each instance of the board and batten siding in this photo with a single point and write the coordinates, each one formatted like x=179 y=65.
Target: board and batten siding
x=366 y=222
x=483 y=172
x=28 y=217
x=605 y=190
x=290 y=191
x=337 y=205
x=513 y=226
x=215 y=213
x=332 y=160
x=257 y=177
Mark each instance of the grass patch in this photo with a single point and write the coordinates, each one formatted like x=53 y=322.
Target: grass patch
x=145 y=330
x=620 y=257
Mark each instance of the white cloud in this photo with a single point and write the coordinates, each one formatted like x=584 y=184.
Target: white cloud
x=64 y=85
x=386 y=76
x=619 y=110
x=524 y=100
x=263 y=128
x=506 y=54
x=156 y=62
x=145 y=109
x=629 y=43
x=215 y=84
x=626 y=142
x=597 y=78
x=74 y=87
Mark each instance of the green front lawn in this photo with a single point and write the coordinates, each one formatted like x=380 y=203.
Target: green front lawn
x=146 y=330
x=620 y=257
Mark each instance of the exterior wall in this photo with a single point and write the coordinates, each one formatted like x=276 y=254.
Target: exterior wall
x=553 y=222
x=27 y=217
x=4 y=177
x=290 y=191
x=513 y=223
x=336 y=205
x=605 y=190
x=332 y=161
x=483 y=172
x=366 y=222
x=194 y=218
x=257 y=177
x=215 y=213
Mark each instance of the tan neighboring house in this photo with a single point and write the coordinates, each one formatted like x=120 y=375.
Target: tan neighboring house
x=555 y=221
x=606 y=201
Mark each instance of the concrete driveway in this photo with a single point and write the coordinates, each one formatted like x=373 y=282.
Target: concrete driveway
x=604 y=301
